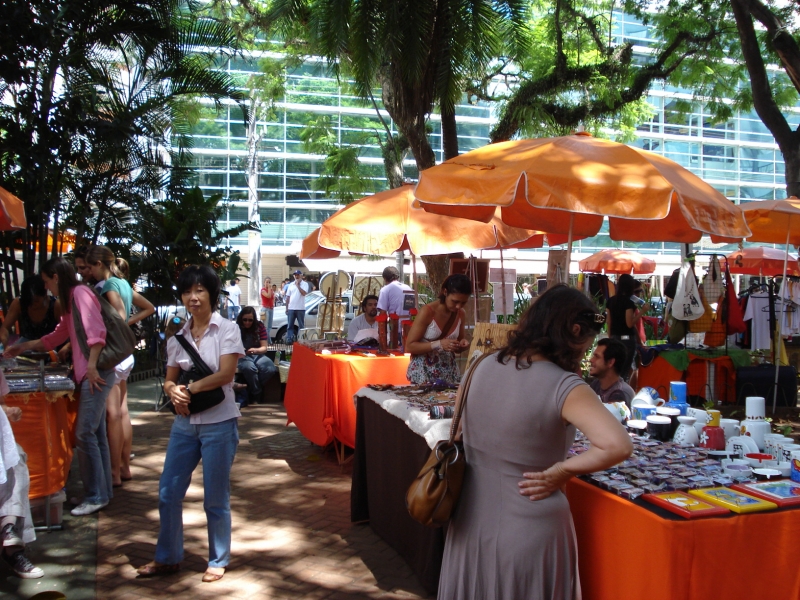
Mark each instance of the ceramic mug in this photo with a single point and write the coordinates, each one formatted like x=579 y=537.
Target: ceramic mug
x=677 y=392
x=673 y=414
x=640 y=413
x=659 y=427
x=731 y=427
x=795 y=473
x=786 y=451
x=771 y=443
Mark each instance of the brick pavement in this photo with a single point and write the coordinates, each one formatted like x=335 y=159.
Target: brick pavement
x=292 y=536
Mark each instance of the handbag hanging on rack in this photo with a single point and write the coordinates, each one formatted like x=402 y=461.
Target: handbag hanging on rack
x=200 y=400
x=433 y=495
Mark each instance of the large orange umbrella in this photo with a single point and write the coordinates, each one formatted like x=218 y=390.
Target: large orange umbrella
x=775 y=222
x=617 y=261
x=568 y=184
x=389 y=221
x=762 y=261
x=12 y=211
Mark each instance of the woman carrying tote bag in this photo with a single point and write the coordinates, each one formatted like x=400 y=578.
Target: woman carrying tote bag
x=94 y=459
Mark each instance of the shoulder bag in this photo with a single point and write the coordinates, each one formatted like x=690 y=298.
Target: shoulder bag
x=200 y=400
x=686 y=305
x=120 y=339
x=433 y=495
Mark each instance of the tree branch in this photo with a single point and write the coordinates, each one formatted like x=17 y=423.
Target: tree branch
x=763 y=100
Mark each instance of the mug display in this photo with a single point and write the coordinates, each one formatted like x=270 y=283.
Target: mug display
x=686 y=435
x=731 y=427
x=641 y=413
x=754 y=425
x=795 y=472
x=677 y=392
x=673 y=414
x=771 y=441
x=713 y=437
x=787 y=450
x=659 y=426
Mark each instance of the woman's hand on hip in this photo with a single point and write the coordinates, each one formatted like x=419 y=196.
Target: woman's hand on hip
x=538 y=486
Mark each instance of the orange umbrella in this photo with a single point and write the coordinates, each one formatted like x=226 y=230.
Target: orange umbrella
x=389 y=221
x=762 y=261
x=617 y=261
x=568 y=184
x=12 y=211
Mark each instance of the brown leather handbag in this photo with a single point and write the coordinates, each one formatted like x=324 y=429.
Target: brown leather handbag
x=433 y=495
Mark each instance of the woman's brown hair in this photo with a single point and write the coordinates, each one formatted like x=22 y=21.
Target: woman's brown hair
x=66 y=279
x=105 y=255
x=546 y=328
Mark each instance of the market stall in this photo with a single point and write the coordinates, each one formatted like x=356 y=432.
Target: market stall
x=709 y=374
x=626 y=549
x=320 y=389
x=47 y=427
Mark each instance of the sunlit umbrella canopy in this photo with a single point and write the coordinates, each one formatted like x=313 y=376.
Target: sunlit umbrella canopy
x=617 y=262
x=12 y=211
x=570 y=183
x=388 y=222
x=762 y=261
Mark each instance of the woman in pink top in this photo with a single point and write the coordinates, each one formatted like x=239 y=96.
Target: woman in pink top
x=94 y=459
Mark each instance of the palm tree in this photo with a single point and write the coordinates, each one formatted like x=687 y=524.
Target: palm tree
x=99 y=94
x=419 y=53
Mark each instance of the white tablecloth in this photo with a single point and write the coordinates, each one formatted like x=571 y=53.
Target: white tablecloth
x=419 y=421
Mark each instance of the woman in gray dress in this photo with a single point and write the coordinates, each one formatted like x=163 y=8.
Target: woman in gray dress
x=511 y=535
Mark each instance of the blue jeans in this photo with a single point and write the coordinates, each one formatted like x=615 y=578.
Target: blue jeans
x=216 y=444
x=268 y=322
x=91 y=441
x=291 y=315
x=256 y=369
x=233 y=311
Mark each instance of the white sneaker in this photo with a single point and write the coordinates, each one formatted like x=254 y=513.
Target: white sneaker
x=86 y=508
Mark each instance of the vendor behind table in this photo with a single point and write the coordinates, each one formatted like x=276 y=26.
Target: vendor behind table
x=438 y=334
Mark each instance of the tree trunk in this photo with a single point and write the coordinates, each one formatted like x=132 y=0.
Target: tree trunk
x=253 y=214
x=449 y=134
x=792 y=166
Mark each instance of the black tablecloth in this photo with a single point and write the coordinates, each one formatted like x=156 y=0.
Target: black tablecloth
x=388 y=456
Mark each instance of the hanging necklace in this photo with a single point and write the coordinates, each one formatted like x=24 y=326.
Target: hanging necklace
x=199 y=336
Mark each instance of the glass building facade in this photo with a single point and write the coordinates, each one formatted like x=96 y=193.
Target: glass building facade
x=739 y=157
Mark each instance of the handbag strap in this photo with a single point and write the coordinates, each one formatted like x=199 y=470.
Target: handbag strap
x=205 y=371
x=447 y=326
x=461 y=400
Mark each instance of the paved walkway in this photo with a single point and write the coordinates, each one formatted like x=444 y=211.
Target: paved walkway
x=292 y=536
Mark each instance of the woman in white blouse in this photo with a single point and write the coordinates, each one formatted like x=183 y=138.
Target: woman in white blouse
x=211 y=435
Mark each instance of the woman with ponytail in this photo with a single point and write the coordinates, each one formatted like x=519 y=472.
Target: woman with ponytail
x=105 y=267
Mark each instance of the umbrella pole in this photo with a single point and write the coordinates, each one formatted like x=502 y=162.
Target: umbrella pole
x=569 y=244
x=780 y=327
x=414 y=271
x=503 y=283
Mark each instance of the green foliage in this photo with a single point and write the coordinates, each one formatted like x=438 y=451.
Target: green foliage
x=342 y=176
x=98 y=95
x=179 y=231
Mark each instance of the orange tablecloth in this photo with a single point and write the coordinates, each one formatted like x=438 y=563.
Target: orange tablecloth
x=45 y=431
x=626 y=551
x=320 y=389
x=659 y=373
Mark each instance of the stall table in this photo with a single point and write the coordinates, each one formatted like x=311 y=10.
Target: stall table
x=320 y=390
x=46 y=432
x=625 y=550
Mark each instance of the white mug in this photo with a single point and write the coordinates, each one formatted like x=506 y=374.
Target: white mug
x=731 y=427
